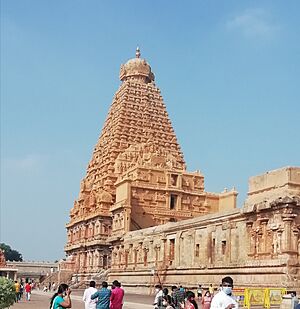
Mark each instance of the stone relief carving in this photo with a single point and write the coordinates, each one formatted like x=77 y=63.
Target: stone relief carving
x=147 y=155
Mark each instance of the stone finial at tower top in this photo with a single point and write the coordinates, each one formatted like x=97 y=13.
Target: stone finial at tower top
x=136 y=68
x=137 y=53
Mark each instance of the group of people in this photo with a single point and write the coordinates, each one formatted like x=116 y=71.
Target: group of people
x=20 y=287
x=181 y=299
x=177 y=299
x=104 y=298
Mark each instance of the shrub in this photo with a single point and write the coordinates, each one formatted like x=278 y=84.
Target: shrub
x=7 y=293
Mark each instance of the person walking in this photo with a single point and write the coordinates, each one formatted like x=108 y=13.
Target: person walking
x=102 y=296
x=224 y=299
x=206 y=300
x=61 y=299
x=117 y=295
x=17 y=287
x=199 y=292
x=21 y=289
x=28 y=290
x=88 y=302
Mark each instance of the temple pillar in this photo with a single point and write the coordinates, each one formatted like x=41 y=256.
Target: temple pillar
x=179 y=181
x=135 y=257
x=127 y=216
x=122 y=257
x=89 y=260
x=269 y=242
x=157 y=254
x=100 y=259
x=294 y=241
x=179 y=201
x=231 y=250
x=151 y=255
x=145 y=258
x=209 y=248
x=126 y=252
x=130 y=255
x=264 y=235
x=287 y=233
x=168 y=198
x=279 y=241
x=84 y=259
x=95 y=259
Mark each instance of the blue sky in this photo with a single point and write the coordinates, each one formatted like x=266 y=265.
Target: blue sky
x=228 y=72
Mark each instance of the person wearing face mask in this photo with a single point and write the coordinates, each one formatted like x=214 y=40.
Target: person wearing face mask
x=58 y=301
x=224 y=299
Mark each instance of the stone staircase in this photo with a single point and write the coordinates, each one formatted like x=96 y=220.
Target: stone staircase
x=50 y=279
x=100 y=276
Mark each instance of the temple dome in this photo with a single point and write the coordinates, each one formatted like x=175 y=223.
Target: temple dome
x=136 y=68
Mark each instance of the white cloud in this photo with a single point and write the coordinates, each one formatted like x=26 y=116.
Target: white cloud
x=31 y=162
x=253 y=23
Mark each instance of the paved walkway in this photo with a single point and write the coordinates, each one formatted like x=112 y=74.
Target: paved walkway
x=41 y=300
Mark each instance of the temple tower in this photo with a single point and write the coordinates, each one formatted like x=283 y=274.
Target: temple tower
x=137 y=115
x=136 y=177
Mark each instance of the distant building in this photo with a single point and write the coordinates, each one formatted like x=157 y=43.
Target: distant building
x=37 y=271
x=144 y=217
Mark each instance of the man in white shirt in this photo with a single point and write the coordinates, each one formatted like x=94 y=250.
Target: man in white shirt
x=158 y=296
x=224 y=299
x=90 y=304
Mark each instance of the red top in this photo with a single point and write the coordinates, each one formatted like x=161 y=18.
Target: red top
x=189 y=305
x=27 y=288
x=116 y=298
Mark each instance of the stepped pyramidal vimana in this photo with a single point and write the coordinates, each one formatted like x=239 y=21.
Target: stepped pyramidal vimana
x=142 y=218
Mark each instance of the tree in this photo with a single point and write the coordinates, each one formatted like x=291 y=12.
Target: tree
x=10 y=254
x=7 y=293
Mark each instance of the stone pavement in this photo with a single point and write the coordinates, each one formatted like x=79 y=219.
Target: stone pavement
x=41 y=300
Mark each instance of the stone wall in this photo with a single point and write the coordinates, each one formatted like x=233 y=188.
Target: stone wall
x=258 y=247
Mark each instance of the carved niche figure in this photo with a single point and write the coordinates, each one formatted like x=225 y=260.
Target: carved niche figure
x=276 y=221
